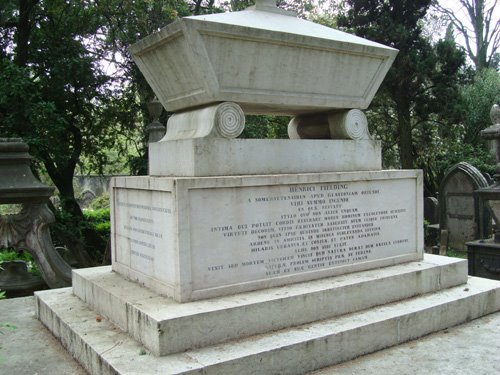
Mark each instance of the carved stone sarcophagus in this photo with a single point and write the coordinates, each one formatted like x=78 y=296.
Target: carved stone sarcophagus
x=263 y=59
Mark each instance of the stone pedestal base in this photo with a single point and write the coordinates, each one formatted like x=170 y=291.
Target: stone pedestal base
x=292 y=329
x=196 y=238
x=29 y=230
x=234 y=157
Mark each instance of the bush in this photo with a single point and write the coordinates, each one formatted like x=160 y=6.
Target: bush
x=100 y=221
x=96 y=221
x=100 y=202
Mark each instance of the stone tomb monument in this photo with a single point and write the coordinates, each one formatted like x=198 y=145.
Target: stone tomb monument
x=244 y=256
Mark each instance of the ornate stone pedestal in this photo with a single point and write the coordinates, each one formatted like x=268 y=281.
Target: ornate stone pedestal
x=28 y=229
x=484 y=255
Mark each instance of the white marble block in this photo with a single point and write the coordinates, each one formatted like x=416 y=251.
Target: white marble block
x=203 y=157
x=196 y=238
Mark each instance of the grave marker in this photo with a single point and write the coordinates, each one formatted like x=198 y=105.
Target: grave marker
x=462 y=214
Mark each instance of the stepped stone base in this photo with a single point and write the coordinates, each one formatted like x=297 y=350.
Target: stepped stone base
x=288 y=330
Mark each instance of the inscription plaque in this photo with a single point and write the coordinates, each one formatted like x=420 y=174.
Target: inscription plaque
x=143 y=232
x=254 y=233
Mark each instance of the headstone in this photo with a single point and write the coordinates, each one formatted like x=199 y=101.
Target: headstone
x=91 y=187
x=431 y=210
x=219 y=215
x=462 y=214
x=431 y=217
x=86 y=198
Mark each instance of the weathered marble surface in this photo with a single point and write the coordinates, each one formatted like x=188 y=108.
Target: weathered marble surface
x=267 y=62
x=351 y=124
x=165 y=326
x=195 y=238
x=224 y=120
x=203 y=157
x=104 y=349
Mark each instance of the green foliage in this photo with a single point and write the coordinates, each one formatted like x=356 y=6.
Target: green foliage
x=97 y=216
x=54 y=94
x=478 y=97
x=460 y=141
x=456 y=253
x=72 y=233
x=418 y=105
x=263 y=126
x=100 y=202
x=426 y=230
x=6 y=325
x=437 y=143
x=51 y=100
x=10 y=209
x=99 y=220
x=478 y=156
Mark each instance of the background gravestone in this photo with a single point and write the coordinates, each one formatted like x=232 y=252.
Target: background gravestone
x=431 y=216
x=431 y=210
x=91 y=187
x=462 y=213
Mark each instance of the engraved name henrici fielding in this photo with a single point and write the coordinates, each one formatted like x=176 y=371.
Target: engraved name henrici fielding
x=321 y=229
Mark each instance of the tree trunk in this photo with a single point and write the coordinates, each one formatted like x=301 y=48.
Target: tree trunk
x=81 y=239
x=405 y=142
x=23 y=31
x=74 y=221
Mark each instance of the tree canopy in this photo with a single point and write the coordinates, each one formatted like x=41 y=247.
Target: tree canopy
x=420 y=94
x=480 y=29
x=52 y=92
x=56 y=94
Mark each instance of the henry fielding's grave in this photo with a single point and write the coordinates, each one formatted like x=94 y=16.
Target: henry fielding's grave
x=261 y=256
